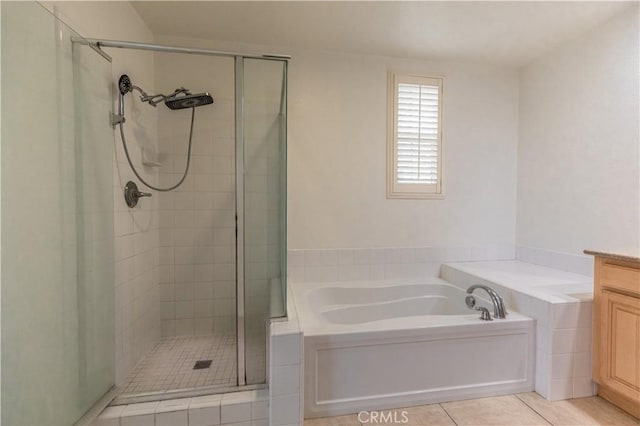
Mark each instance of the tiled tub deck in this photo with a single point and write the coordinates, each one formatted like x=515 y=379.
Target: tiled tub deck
x=560 y=302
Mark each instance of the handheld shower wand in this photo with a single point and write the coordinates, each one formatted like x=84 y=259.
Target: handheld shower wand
x=124 y=87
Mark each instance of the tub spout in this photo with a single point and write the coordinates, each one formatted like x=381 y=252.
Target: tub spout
x=499 y=311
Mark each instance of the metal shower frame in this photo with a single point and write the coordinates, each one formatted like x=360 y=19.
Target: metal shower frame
x=98 y=44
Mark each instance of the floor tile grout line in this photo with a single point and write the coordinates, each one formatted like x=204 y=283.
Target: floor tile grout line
x=175 y=353
x=533 y=409
x=519 y=396
x=448 y=415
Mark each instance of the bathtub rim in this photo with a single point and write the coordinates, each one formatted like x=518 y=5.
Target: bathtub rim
x=312 y=324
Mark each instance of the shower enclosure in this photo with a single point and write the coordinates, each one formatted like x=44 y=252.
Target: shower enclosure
x=170 y=298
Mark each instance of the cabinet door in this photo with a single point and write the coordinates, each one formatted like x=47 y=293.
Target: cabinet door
x=620 y=344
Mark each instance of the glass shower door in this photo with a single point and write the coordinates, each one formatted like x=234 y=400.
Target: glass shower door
x=264 y=161
x=57 y=221
x=94 y=223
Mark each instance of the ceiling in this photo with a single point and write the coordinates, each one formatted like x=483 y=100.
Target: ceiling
x=508 y=33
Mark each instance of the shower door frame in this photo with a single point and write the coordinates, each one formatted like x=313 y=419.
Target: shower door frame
x=98 y=44
x=239 y=136
x=240 y=207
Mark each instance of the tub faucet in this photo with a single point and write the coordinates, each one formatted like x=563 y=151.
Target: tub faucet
x=499 y=311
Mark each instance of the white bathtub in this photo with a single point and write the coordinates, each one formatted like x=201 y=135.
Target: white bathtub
x=379 y=345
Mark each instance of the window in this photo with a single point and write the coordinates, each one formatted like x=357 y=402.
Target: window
x=415 y=137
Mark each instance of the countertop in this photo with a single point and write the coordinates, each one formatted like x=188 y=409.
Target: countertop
x=627 y=257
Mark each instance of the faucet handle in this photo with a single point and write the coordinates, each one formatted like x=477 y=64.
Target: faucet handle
x=470 y=301
x=484 y=313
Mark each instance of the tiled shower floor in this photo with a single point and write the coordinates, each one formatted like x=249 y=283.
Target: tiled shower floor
x=170 y=364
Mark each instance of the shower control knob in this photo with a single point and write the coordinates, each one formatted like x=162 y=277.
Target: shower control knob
x=132 y=195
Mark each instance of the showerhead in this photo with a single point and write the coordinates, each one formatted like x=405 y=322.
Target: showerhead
x=124 y=84
x=188 y=101
x=181 y=98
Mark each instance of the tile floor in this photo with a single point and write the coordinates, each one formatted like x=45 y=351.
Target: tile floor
x=510 y=410
x=170 y=363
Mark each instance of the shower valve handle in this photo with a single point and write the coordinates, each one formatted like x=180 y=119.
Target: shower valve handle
x=132 y=195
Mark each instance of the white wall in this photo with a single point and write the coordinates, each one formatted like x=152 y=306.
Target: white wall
x=337 y=156
x=578 y=154
x=136 y=232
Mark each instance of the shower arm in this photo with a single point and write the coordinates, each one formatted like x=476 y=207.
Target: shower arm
x=125 y=86
x=154 y=100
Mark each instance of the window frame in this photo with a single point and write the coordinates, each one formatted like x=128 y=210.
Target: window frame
x=410 y=190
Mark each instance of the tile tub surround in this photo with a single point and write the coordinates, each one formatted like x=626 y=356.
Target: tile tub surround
x=576 y=263
x=364 y=264
x=246 y=408
x=560 y=302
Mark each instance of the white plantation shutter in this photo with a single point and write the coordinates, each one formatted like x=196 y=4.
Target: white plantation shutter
x=417 y=133
x=415 y=143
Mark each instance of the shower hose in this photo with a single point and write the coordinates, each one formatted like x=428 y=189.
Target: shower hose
x=186 y=169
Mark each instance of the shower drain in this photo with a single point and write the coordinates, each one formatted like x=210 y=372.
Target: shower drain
x=199 y=365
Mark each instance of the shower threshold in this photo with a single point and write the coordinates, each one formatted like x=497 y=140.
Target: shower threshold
x=125 y=399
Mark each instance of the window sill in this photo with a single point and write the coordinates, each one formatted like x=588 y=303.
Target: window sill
x=414 y=196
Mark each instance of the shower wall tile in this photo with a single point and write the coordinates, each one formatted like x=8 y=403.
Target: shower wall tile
x=197 y=220
x=137 y=240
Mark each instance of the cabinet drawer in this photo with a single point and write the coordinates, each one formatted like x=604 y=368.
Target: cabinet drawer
x=620 y=277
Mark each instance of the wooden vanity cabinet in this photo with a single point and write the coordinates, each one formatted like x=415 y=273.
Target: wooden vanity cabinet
x=616 y=332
